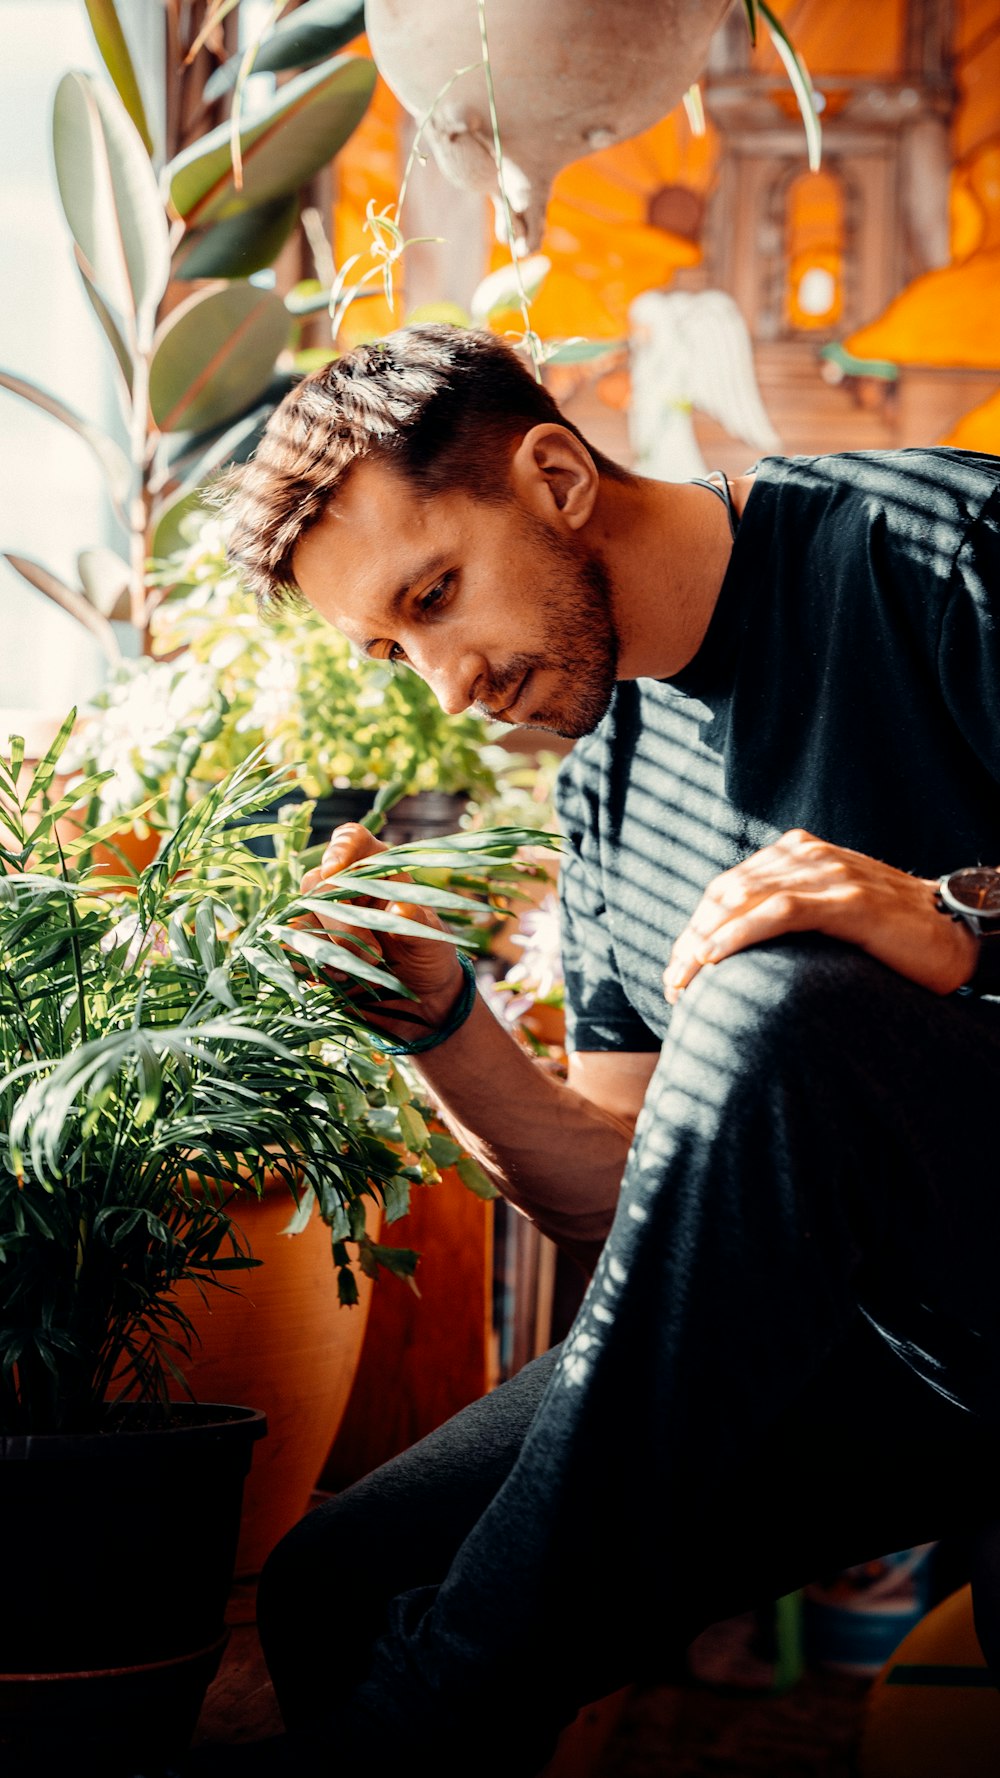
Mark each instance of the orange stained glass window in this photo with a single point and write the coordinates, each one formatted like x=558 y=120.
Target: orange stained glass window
x=839 y=39
x=814 y=251
x=620 y=222
x=368 y=169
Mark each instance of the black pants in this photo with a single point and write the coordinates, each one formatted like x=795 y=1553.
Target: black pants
x=788 y=1361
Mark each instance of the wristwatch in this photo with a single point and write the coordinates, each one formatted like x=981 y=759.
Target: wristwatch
x=973 y=896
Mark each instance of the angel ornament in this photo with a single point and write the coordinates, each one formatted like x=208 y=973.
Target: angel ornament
x=690 y=350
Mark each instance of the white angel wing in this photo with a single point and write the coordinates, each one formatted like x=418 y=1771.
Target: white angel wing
x=690 y=350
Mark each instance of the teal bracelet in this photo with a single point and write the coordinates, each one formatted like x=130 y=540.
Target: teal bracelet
x=458 y=1015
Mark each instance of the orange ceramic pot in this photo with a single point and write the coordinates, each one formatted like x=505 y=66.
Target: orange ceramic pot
x=280 y=1342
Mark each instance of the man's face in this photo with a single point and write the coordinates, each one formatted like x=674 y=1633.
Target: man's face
x=489 y=604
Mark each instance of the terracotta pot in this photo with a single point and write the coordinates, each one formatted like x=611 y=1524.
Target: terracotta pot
x=282 y=1343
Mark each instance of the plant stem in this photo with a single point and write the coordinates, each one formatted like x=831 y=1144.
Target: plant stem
x=530 y=336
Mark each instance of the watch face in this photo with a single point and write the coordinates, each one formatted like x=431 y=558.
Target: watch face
x=974 y=891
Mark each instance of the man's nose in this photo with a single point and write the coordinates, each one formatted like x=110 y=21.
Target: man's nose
x=453 y=681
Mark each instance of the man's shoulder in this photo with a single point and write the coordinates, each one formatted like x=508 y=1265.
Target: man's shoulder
x=924 y=480
x=922 y=501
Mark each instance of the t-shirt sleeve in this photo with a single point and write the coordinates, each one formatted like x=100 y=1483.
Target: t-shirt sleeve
x=599 y=1015
x=969 y=658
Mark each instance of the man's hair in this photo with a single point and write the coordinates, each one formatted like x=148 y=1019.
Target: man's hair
x=444 y=405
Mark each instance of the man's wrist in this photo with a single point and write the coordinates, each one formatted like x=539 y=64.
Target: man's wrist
x=461 y=1006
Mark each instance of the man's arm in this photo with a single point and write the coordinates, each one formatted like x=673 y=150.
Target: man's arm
x=803 y=884
x=555 y=1149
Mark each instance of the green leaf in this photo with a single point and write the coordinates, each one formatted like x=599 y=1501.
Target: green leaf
x=308 y=121
x=317 y=29
x=46 y=768
x=114 y=49
x=110 y=196
x=501 y=289
x=112 y=331
x=167 y=534
x=109 y=454
x=214 y=355
x=206 y=937
x=321 y=952
x=580 y=351
x=801 y=84
x=474 y=1179
x=443 y=1150
x=105 y=577
x=241 y=245
x=412 y=1128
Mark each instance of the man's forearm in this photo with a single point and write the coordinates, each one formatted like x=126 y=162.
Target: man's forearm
x=548 y=1150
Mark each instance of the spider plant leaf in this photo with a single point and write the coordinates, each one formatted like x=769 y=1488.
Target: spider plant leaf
x=505 y=288
x=801 y=84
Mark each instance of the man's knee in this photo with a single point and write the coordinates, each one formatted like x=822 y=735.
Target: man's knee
x=803 y=990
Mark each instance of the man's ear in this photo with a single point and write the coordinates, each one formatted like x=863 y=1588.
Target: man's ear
x=555 y=474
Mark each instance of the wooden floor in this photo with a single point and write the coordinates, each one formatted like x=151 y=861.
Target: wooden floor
x=693 y=1730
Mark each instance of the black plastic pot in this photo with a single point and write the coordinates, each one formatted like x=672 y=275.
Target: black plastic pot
x=118 y=1556
x=426 y=816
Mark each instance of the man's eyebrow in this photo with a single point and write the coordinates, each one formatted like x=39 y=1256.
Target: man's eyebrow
x=425 y=571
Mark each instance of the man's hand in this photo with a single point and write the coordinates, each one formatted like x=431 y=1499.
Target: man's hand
x=802 y=884
x=428 y=967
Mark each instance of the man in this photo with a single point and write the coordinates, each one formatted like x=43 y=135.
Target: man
x=774 y=1149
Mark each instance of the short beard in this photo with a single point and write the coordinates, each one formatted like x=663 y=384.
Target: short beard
x=579 y=630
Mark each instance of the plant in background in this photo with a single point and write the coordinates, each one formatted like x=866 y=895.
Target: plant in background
x=165 y=1042
x=199 y=353
x=223 y=682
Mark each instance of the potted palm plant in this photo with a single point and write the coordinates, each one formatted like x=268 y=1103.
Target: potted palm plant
x=166 y=1041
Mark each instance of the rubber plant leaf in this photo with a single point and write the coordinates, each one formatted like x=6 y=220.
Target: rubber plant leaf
x=105 y=578
x=107 y=29
x=214 y=355
x=112 y=331
x=312 y=32
x=241 y=245
x=111 y=199
x=183 y=455
x=299 y=132
x=109 y=454
x=55 y=589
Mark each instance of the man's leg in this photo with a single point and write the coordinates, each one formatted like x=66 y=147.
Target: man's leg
x=396 y=1529
x=816 y=1138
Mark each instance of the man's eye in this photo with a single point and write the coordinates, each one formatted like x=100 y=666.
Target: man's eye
x=436 y=593
x=394 y=654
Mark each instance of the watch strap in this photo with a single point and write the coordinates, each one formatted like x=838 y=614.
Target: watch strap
x=986 y=976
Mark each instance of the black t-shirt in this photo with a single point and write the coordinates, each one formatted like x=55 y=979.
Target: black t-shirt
x=849 y=684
